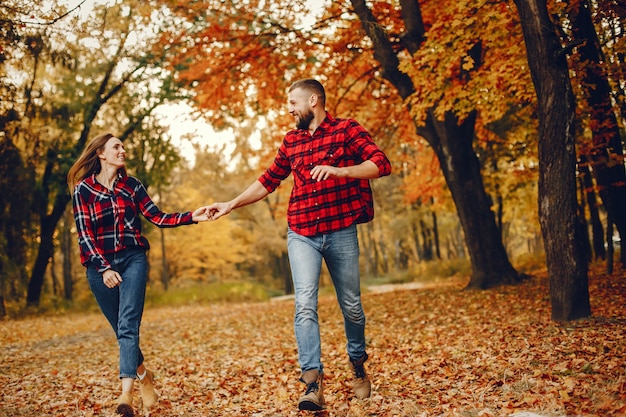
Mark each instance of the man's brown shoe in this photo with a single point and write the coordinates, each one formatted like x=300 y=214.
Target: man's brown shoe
x=361 y=383
x=313 y=398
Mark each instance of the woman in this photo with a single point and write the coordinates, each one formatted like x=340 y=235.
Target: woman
x=107 y=203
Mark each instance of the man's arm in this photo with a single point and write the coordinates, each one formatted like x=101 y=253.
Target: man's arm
x=365 y=170
x=252 y=194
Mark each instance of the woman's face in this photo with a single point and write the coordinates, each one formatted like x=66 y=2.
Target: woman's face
x=113 y=154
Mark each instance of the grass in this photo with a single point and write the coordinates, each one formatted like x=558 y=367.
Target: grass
x=205 y=293
x=424 y=272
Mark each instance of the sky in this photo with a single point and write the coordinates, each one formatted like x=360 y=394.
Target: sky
x=176 y=116
x=183 y=126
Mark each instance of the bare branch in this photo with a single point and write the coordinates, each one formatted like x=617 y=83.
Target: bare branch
x=46 y=23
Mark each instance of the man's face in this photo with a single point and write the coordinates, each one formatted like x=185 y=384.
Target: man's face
x=299 y=102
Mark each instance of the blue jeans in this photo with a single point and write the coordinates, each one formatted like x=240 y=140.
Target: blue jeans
x=340 y=251
x=123 y=305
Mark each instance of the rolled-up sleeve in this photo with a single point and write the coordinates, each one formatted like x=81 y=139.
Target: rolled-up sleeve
x=361 y=143
x=277 y=171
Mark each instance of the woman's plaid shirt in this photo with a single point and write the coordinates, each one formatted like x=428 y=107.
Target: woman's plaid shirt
x=336 y=203
x=109 y=222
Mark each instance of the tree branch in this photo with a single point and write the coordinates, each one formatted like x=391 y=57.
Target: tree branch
x=383 y=50
x=47 y=23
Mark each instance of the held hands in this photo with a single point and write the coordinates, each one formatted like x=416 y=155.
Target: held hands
x=210 y=213
x=200 y=215
x=217 y=210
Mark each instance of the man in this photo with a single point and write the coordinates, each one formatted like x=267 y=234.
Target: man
x=332 y=161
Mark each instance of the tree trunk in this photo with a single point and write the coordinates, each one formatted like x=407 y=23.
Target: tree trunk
x=453 y=145
x=609 y=245
x=365 y=242
x=419 y=256
x=15 y=205
x=597 y=230
x=3 y=310
x=45 y=252
x=427 y=242
x=436 y=235
x=567 y=268
x=66 y=252
x=382 y=260
x=165 y=276
x=607 y=154
x=284 y=270
x=56 y=288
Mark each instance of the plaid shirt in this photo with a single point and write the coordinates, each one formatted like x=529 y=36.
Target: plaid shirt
x=336 y=203
x=109 y=222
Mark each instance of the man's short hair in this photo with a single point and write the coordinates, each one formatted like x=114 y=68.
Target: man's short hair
x=311 y=85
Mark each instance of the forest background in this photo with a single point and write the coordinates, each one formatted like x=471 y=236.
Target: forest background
x=504 y=122
x=448 y=90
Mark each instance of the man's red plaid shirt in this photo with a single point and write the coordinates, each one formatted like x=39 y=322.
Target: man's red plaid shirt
x=317 y=207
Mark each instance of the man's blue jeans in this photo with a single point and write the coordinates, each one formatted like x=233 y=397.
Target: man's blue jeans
x=340 y=251
x=123 y=305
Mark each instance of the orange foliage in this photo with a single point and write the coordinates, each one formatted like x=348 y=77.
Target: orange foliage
x=501 y=80
x=233 y=55
x=239 y=57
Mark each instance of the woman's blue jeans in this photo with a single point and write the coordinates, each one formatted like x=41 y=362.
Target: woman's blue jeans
x=123 y=305
x=340 y=251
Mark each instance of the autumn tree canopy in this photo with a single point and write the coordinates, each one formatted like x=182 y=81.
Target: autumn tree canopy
x=444 y=87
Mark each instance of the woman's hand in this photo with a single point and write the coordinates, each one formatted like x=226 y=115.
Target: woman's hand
x=111 y=278
x=200 y=215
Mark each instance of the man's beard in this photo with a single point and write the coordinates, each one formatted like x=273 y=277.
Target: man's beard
x=304 y=120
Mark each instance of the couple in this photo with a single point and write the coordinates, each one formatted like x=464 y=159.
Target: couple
x=331 y=160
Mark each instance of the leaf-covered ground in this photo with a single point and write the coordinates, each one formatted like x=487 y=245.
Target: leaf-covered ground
x=433 y=352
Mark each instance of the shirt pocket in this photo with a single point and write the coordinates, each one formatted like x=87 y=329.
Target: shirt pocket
x=298 y=168
x=334 y=156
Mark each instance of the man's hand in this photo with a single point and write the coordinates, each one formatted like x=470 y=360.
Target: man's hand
x=217 y=210
x=324 y=172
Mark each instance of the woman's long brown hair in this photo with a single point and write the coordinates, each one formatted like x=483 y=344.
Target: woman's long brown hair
x=88 y=163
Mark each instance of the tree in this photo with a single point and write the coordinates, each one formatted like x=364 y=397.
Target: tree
x=451 y=137
x=217 y=252
x=565 y=258
x=72 y=82
x=606 y=153
x=16 y=177
x=241 y=58
x=14 y=219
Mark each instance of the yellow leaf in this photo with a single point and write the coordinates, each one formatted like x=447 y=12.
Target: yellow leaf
x=468 y=63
